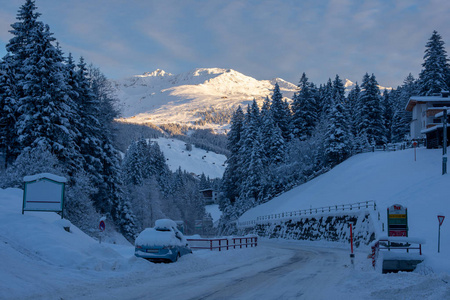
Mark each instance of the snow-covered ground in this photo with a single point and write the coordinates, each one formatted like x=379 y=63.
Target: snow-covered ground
x=388 y=178
x=40 y=260
x=196 y=161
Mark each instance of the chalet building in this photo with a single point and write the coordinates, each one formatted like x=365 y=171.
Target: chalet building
x=427 y=118
x=210 y=196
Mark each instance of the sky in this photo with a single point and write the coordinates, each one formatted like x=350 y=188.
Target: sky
x=263 y=39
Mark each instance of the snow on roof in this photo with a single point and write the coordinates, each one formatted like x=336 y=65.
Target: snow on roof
x=441 y=114
x=45 y=175
x=416 y=99
x=435 y=127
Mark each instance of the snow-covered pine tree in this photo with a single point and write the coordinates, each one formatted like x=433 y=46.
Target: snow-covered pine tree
x=232 y=176
x=110 y=197
x=204 y=183
x=8 y=112
x=388 y=114
x=435 y=75
x=87 y=123
x=304 y=109
x=337 y=143
x=402 y=118
x=250 y=133
x=255 y=179
x=323 y=99
x=272 y=139
x=134 y=163
x=46 y=110
x=371 y=123
x=353 y=109
x=280 y=112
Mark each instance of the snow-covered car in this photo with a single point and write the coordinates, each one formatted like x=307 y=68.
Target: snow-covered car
x=163 y=243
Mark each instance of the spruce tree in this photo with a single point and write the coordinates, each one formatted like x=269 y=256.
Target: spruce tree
x=371 y=126
x=353 y=109
x=280 y=112
x=435 y=75
x=304 y=110
x=232 y=176
x=45 y=108
x=8 y=112
x=388 y=114
x=337 y=142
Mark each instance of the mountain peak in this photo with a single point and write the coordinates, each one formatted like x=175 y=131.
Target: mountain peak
x=156 y=73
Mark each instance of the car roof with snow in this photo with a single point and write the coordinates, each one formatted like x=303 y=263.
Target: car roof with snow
x=165 y=224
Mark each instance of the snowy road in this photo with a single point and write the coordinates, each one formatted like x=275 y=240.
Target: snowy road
x=276 y=271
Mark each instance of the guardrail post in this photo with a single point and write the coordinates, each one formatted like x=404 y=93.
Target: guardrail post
x=220 y=244
x=210 y=245
x=227 y=244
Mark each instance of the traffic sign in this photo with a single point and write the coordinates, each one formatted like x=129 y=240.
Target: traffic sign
x=441 y=219
x=102 y=225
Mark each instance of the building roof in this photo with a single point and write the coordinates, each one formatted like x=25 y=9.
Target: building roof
x=425 y=99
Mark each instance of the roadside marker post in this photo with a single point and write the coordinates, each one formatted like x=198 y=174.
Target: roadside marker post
x=441 y=220
x=352 y=255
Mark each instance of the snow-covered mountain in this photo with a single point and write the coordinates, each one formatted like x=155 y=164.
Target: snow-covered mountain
x=159 y=97
x=349 y=85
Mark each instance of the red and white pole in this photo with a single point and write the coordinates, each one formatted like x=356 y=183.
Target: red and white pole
x=352 y=256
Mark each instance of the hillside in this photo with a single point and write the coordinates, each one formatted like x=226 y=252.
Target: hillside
x=159 y=97
x=196 y=161
x=387 y=178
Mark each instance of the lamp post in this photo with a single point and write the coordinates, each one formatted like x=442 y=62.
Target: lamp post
x=444 y=148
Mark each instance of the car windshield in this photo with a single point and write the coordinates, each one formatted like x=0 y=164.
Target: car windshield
x=162 y=229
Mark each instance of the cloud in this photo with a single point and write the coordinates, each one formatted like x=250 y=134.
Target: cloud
x=263 y=39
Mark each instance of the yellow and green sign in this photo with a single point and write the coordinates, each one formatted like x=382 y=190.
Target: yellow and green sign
x=397 y=216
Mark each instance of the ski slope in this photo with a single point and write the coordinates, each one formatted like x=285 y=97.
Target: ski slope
x=196 y=161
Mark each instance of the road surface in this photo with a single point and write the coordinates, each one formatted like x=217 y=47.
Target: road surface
x=284 y=271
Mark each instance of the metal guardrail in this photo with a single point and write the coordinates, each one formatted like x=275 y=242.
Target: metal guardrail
x=225 y=243
x=308 y=212
x=386 y=244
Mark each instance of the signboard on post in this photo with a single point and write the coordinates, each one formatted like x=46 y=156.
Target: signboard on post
x=44 y=192
x=198 y=226
x=397 y=216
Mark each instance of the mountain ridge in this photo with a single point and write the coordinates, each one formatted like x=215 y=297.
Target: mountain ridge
x=160 y=97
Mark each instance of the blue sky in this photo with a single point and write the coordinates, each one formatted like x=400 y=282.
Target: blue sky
x=262 y=39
